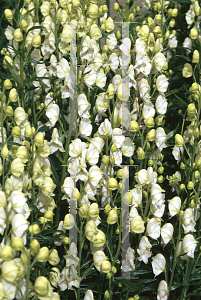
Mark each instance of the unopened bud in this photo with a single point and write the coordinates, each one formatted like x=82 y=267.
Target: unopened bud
x=190 y=185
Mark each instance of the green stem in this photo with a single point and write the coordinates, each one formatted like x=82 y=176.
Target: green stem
x=183 y=290
x=21 y=72
x=80 y=254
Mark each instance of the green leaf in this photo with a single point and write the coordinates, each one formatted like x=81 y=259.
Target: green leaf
x=54 y=171
x=171 y=133
x=34 y=208
x=184 y=57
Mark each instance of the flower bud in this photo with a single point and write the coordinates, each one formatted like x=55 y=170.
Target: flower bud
x=187 y=71
x=16 y=132
x=43 y=254
x=17 y=243
x=83 y=211
x=54 y=257
x=105 y=160
x=149 y=122
x=179 y=141
x=7 y=84
x=9 y=111
x=113 y=148
x=99 y=239
x=107 y=208
x=76 y=4
x=6 y=253
x=190 y=185
x=4 y=151
x=36 y=41
x=39 y=139
x=172 y=23
x=34 y=229
x=41 y=286
x=9 y=15
x=174 y=12
x=112 y=184
x=191 y=110
x=143 y=33
x=49 y=215
x=112 y=217
x=157 y=30
x=9 y=60
x=140 y=153
x=193 y=33
x=118 y=35
x=13 y=95
x=69 y=222
x=17 y=167
x=159 y=120
x=196 y=133
x=196 y=57
x=150 y=163
x=137 y=225
x=93 y=210
x=116 y=7
x=90 y=230
x=151 y=135
x=28 y=131
x=18 y=35
x=134 y=127
x=24 y=25
x=9 y=270
x=182 y=187
x=24 y=257
x=35 y=247
x=66 y=240
x=109 y=24
x=106 y=267
x=93 y=11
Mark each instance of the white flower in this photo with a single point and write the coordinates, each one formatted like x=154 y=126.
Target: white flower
x=55 y=144
x=98 y=142
x=162 y=293
x=68 y=186
x=153 y=228
x=117 y=157
x=159 y=61
x=111 y=41
x=174 y=206
x=18 y=201
x=19 y=224
x=144 y=249
x=161 y=104
x=89 y=295
x=128 y=263
x=105 y=128
x=160 y=138
x=148 y=110
x=187 y=44
x=83 y=106
x=90 y=77
x=114 y=62
x=144 y=88
x=167 y=233
x=176 y=152
x=102 y=103
x=172 y=42
x=189 y=245
x=2 y=220
x=162 y=83
x=100 y=78
x=52 y=112
x=85 y=127
x=117 y=137
x=127 y=147
x=92 y=155
x=95 y=175
x=137 y=196
x=188 y=221
x=158 y=264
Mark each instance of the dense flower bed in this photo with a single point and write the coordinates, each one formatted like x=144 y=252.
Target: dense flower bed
x=100 y=151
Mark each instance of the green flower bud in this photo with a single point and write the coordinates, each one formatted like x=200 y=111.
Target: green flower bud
x=17 y=243
x=7 y=84
x=179 y=141
x=6 y=253
x=116 y=7
x=16 y=132
x=112 y=184
x=149 y=122
x=134 y=127
x=190 y=185
x=193 y=33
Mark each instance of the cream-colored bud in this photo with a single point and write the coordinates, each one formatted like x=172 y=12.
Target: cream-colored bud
x=93 y=11
x=43 y=254
x=113 y=148
x=24 y=25
x=157 y=30
x=105 y=160
x=118 y=35
x=69 y=222
x=17 y=243
x=193 y=33
x=9 y=111
x=49 y=215
x=39 y=139
x=174 y=12
x=140 y=153
x=17 y=167
x=9 y=270
x=3 y=202
x=109 y=24
x=54 y=257
x=134 y=127
x=22 y=153
x=16 y=132
x=187 y=70
x=197 y=10
x=116 y=7
x=99 y=239
x=190 y=185
x=196 y=57
x=159 y=120
x=106 y=267
x=105 y=48
x=93 y=210
x=151 y=135
x=28 y=131
x=191 y=110
x=35 y=247
x=7 y=84
x=83 y=211
x=36 y=41
x=179 y=141
x=13 y=95
x=172 y=23
x=35 y=229
x=143 y=33
x=167 y=34
x=90 y=230
x=137 y=225
x=149 y=122
x=150 y=22
x=107 y=208
x=9 y=60
x=112 y=217
x=4 y=151
x=6 y=253
x=112 y=184
x=158 y=18
x=75 y=4
x=63 y=3
x=18 y=35
x=9 y=15
x=41 y=286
